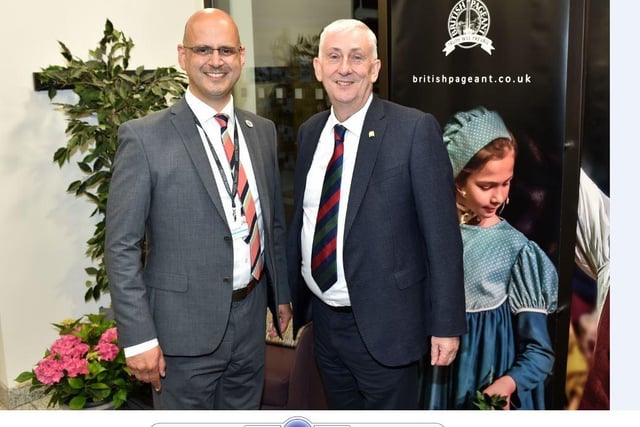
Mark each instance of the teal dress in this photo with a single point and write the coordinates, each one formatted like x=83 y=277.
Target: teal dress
x=510 y=287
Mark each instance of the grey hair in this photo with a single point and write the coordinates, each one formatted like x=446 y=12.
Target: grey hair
x=343 y=25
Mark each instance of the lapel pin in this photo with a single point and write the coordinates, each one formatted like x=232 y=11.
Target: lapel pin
x=249 y=123
x=372 y=134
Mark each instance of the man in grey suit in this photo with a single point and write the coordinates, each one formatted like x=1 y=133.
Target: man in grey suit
x=197 y=196
x=391 y=248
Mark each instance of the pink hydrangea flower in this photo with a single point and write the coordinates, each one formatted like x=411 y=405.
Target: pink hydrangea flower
x=110 y=335
x=106 y=347
x=49 y=370
x=69 y=345
x=75 y=366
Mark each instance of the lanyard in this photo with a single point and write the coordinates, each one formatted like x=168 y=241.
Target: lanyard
x=235 y=160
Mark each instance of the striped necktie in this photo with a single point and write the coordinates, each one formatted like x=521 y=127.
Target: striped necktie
x=246 y=199
x=323 y=253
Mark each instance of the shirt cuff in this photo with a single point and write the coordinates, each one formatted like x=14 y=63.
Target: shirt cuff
x=140 y=348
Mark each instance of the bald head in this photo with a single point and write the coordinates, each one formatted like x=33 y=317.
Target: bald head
x=206 y=20
x=212 y=56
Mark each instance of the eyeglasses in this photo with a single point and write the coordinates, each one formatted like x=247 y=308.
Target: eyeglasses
x=224 y=51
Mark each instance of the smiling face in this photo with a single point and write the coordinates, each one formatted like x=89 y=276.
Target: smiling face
x=487 y=188
x=347 y=66
x=211 y=76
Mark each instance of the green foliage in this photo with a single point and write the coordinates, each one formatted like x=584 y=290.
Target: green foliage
x=108 y=95
x=92 y=368
x=305 y=49
x=486 y=402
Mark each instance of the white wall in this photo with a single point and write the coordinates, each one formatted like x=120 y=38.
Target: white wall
x=43 y=229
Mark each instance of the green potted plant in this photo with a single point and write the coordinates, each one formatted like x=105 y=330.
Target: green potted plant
x=108 y=94
x=84 y=366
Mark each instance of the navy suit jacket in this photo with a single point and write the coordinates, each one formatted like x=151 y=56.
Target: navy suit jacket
x=402 y=244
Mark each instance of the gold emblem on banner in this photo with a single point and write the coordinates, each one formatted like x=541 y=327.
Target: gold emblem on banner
x=468 y=26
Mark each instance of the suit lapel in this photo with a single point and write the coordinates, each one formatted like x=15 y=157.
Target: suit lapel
x=371 y=138
x=185 y=125
x=258 y=163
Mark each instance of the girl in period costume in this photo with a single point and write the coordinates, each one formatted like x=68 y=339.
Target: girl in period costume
x=510 y=283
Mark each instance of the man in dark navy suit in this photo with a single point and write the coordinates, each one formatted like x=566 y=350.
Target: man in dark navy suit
x=377 y=265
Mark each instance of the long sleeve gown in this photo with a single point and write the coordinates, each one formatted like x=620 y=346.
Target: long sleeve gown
x=510 y=287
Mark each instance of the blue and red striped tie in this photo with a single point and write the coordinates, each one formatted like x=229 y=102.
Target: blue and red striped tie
x=323 y=253
x=246 y=199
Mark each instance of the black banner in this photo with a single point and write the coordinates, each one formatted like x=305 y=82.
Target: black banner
x=522 y=59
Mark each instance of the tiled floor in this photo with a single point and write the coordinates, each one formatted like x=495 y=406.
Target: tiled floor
x=140 y=400
x=36 y=404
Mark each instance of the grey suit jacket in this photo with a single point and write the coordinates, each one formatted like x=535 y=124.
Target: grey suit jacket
x=163 y=190
x=402 y=244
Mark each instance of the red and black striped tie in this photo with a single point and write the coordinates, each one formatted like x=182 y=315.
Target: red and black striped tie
x=323 y=253
x=246 y=199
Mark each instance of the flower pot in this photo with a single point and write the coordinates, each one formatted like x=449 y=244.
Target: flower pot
x=103 y=404
x=99 y=405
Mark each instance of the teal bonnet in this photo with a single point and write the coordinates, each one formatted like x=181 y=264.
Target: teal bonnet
x=468 y=131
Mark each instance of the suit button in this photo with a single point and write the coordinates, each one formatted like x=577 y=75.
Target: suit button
x=227 y=238
x=226 y=279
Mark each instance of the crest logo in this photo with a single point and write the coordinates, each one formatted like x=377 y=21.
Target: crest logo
x=468 y=25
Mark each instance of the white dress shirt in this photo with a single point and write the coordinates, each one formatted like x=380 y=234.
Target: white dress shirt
x=241 y=253
x=338 y=294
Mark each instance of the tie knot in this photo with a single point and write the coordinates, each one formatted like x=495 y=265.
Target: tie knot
x=338 y=132
x=222 y=120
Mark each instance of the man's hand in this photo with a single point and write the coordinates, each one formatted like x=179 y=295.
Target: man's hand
x=443 y=350
x=284 y=317
x=148 y=367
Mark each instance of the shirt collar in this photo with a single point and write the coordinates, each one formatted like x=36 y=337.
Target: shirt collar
x=203 y=112
x=354 y=123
